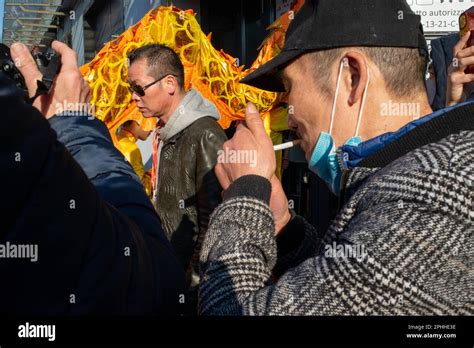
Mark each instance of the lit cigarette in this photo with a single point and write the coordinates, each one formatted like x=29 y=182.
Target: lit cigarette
x=285 y=146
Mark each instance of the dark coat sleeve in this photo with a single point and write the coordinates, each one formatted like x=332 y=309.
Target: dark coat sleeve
x=208 y=189
x=101 y=249
x=442 y=56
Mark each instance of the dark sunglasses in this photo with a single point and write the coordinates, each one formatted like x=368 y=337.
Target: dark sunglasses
x=141 y=90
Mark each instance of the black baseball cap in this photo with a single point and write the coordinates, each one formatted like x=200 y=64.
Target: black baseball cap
x=326 y=24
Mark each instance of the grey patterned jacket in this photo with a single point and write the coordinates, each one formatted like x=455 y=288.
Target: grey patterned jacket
x=402 y=244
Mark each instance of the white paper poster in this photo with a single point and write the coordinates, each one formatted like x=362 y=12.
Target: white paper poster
x=440 y=16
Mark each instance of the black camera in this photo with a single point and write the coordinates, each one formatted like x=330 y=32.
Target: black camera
x=8 y=67
x=48 y=64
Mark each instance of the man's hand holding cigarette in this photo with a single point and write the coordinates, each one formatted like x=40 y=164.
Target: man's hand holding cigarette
x=251 y=136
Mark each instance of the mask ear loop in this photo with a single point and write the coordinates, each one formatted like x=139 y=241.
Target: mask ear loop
x=362 y=105
x=343 y=63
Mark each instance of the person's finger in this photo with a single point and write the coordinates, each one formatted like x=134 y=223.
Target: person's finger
x=240 y=126
x=457 y=50
x=465 y=62
x=463 y=79
x=467 y=52
x=243 y=137
x=461 y=43
x=222 y=176
x=25 y=63
x=253 y=121
x=457 y=75
x=68 y=56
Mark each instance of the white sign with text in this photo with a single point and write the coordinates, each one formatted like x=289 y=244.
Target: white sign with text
x=440 y=16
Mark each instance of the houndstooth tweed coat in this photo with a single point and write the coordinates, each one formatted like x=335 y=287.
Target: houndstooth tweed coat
x=402 y=244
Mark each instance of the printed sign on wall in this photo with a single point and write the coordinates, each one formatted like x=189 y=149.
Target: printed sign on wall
x=440 y=16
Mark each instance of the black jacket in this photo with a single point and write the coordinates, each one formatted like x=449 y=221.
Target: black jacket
x=101 y=249
x=188 y=190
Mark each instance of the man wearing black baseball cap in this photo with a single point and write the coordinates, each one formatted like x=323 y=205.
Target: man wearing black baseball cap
x=354 y=72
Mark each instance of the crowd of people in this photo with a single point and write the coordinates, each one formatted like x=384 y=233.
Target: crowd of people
x=218 y=237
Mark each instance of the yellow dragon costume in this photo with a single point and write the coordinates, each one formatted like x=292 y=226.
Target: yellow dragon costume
x=214 y=73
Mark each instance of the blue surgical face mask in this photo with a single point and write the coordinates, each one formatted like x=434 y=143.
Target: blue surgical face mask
x=324 y=159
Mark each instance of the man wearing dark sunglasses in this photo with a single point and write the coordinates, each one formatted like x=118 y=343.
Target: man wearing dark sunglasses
x=140 y=91
x=186 y=145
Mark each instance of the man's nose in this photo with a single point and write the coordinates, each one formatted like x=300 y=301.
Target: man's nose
x=291 y=122
x=135 y=97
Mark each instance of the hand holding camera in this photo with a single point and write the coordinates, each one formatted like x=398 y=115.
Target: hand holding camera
x=68 y=92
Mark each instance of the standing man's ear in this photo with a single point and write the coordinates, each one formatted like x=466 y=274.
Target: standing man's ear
x=171 y=84
x=357 y=79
